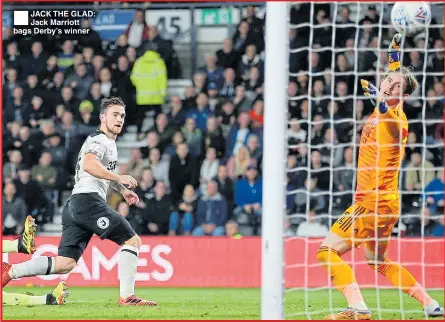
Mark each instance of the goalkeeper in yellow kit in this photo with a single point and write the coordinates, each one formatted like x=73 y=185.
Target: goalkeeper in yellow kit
x=376 y=206
x=26 y=245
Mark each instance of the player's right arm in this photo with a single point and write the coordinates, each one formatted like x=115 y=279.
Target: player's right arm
x=94 y=167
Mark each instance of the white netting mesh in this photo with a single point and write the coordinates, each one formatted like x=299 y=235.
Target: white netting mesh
x=333 y=46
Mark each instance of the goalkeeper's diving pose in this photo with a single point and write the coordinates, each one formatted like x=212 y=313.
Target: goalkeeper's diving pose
x=26 y=245
x=371 y=219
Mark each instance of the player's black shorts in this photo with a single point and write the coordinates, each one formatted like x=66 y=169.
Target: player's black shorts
x=86 y=214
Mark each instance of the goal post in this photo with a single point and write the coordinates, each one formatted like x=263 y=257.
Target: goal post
x=274 y=160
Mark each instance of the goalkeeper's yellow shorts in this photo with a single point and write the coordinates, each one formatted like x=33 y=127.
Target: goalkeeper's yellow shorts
x=359 y=224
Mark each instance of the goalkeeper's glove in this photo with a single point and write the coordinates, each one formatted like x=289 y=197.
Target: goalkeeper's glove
x=372 y=91
x=394 y=52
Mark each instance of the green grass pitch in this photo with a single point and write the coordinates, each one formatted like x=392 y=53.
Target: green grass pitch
x=208 y=303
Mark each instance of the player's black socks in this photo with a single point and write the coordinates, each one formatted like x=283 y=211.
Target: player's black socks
x=51 y=299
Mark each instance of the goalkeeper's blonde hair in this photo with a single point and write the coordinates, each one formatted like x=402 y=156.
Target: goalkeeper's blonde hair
x=411 y=82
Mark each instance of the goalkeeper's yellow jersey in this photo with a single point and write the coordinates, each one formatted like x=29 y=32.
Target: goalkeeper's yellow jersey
x=382 y=148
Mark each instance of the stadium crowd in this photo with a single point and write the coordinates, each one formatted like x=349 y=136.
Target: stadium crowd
x=200 y=170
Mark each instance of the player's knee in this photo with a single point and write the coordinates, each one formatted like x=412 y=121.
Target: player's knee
x=324 y=254
x=134 y=241
x=378 y=264
x=64 y=265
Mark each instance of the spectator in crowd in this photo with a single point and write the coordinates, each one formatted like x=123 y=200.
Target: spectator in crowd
x=238 y=134
x=201 y=113
x=183 y=170
x=13 y=211
x=226 y=117
x=248 y=197
x=227 y=58
x=152 y=140
x=149 y=77
x=92 y=39
x=80 y=81
x=11 y=168
x=418 y=176
x=146 y=188
x=257 y=114
x=242 y=102
x=33 y=195
x=254 y=149
x=434 y=195
x=137 y=30
x=137 y=164
x=209 y=169
x=249 y=60
x=291 y=189
x=35 y=62
x=45 y=174
x=225 y=186
x=212 y=213
x=157 y=213
x=311 y=195
x=66 y=58
x=193 y=136
x=164 y=130
x=228 y=88
x=344 y=180
x=214 y=100
x=159 y=166
x=232 y=229
x=10 y=83
x=177 y=114
x=57 y=150
x=16 y=108
x=427 y=224
x=295 y=133
x=238 y=163
x=320 y=171
x=47 y=75
x=242 y=38
x=213 y=71
x=13 y=59
x=214 y=137
x=311 y=227
x=182 y=219
x=177 y=139
x=331 y=151
x=28 y=146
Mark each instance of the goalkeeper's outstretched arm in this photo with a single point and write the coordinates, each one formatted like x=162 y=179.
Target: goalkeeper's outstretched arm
x=397 y=84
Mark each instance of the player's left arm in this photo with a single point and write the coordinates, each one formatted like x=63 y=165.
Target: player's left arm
x=393 y=118
x=119 y=187
x=130 y=197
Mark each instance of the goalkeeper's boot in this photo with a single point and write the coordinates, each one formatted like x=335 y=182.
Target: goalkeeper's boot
x=6 y=278
x=27 y=244
x=434 y=309
x=58 y=296
x=133 y=300
x=350 y=314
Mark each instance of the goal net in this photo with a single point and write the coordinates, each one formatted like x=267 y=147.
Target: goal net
x=331 y=47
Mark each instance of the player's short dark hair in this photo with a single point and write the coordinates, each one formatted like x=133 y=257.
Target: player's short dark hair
x=105 y=103
x=411 y=82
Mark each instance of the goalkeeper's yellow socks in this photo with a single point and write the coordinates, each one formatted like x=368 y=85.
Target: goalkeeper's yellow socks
x=22 y=299
x=10 y=246
x=342 y=276
x=400 y=277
